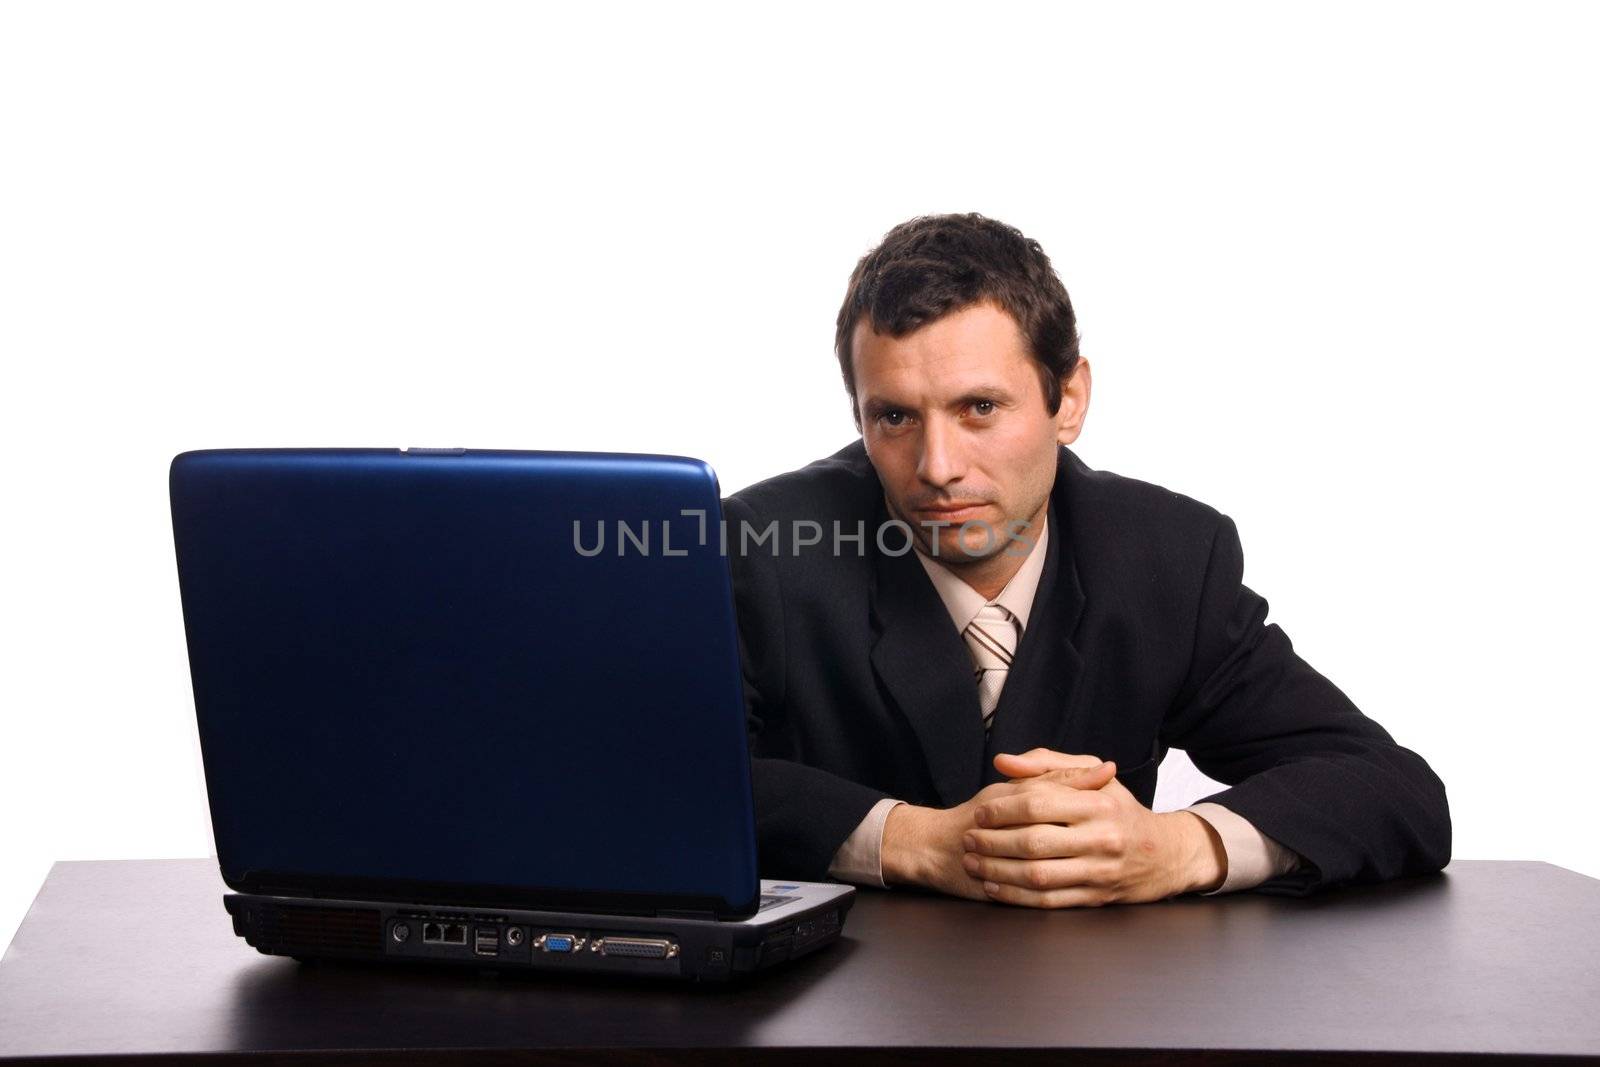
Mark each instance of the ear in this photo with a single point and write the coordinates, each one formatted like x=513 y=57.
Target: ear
x=1075 y=391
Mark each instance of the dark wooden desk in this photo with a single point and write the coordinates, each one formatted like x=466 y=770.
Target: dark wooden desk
x=124 y=959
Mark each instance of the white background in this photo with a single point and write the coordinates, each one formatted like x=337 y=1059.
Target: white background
x=1335 y=267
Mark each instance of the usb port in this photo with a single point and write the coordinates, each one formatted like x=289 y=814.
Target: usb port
x=486 y=941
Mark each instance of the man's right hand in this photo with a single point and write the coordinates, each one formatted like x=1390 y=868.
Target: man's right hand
x=922 y=846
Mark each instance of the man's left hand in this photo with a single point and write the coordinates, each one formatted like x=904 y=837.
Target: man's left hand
x=1044 y=843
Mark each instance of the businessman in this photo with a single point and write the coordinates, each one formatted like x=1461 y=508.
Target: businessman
x=966 y=652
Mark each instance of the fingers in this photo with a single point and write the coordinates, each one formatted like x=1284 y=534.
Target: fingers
x=1044 y=841
x=1039 y=875
x=1045 y=802
x=1081 y=896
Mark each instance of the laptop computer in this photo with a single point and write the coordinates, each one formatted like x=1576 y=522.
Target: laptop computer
x=478 y=707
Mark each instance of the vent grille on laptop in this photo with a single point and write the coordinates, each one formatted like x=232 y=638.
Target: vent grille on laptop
x=320 y=928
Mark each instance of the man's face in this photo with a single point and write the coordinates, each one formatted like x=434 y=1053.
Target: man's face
x=954 y=420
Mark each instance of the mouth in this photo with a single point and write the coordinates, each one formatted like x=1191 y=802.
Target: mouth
x=951 y=513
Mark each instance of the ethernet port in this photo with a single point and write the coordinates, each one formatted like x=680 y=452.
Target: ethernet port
x=444 y=933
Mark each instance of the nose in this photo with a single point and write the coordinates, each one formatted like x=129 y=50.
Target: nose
x=940 y=461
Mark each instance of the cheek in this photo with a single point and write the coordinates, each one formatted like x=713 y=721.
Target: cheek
x=879 y=453
x=893 y=462
x=1030 y=469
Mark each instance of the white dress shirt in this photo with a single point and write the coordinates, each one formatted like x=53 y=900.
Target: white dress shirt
x=1252 y=857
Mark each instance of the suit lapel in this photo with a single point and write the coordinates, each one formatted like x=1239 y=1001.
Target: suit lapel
x=923 y=663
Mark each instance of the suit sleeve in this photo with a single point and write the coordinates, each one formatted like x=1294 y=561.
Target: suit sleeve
x=803 y=814
x=1305 y=766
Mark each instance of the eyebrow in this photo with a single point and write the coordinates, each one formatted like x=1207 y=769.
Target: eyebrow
x=875 y=406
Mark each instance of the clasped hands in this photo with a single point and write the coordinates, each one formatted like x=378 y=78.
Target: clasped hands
x=1063 y=832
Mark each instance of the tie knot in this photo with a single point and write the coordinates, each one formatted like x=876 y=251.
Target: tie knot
x=992 y=638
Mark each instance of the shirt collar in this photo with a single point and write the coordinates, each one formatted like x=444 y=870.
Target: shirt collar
x=963 y=602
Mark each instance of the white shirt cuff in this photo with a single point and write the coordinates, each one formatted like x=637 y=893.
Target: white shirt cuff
x=1253 y=857
x=860 y=858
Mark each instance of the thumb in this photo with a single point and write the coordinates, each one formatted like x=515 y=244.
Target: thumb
x=1097 y=777
x=1043 y=760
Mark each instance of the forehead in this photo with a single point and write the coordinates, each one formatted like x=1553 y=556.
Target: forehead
x=977 y=346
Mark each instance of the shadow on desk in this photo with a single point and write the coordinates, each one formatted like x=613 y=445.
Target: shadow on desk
x=279 y=1002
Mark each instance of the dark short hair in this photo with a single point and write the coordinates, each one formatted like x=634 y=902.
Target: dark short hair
x=933 y=265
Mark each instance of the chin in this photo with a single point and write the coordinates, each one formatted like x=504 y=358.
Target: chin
x=954 y=550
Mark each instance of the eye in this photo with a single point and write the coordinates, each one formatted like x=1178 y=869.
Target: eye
x=893 y=419
x=984 y=407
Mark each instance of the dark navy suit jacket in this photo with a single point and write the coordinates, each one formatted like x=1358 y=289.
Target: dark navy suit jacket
x=1142 y=638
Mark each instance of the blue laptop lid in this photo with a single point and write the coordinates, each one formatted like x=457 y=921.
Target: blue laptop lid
x=416 y=678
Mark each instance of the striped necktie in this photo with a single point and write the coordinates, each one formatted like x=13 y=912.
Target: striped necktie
x=992 y=640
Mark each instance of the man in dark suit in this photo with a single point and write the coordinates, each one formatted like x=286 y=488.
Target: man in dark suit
x=966 y=652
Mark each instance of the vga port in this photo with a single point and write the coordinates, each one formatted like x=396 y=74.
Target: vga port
x=558 y=942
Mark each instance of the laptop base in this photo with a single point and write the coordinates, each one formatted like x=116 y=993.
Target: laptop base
x=796 y=919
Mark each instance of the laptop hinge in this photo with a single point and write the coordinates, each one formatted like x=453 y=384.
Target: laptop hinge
x=675 y=913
